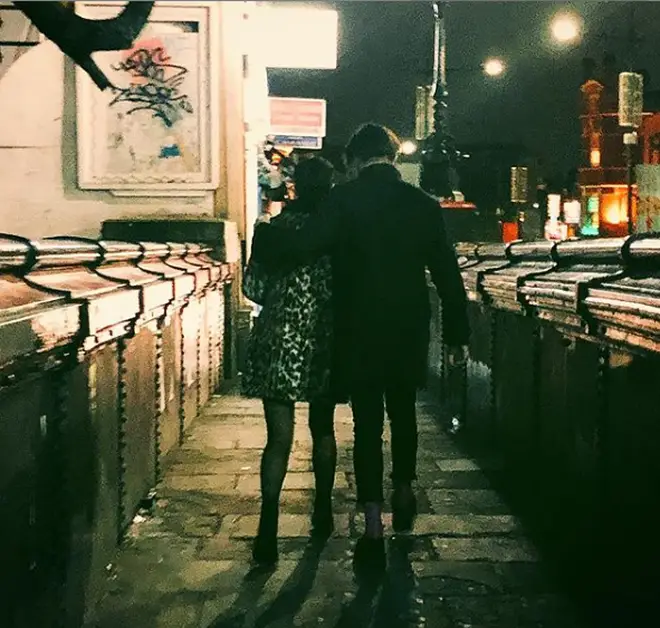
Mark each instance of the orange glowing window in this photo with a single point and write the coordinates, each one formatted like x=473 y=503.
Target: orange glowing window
x=614 y=208
x=594 y=158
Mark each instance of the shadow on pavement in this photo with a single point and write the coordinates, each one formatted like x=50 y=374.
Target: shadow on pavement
x=360 y=611
x=286 y=605
x=393 y=601
x=247 y=599
x=295 y=590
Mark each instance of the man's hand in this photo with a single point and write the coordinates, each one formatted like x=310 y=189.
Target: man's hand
x=263 y=219
x=457 y=356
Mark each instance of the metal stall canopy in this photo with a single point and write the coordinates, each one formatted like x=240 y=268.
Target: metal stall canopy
x=108 y=350
x=560 y=388
x=221 y=238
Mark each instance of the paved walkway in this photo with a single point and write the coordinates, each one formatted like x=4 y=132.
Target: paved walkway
x=187 y=565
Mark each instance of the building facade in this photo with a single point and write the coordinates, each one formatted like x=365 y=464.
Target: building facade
x=603 y=171
x=65 y=156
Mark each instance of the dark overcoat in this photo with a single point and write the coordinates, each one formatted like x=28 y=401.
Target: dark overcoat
x=383 y=234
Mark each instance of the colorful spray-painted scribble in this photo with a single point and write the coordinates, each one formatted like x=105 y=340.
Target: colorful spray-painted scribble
x=155 y=83
x=153 y=117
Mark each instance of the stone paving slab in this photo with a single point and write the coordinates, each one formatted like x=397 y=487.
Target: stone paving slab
x=466 y=501
x=293 y=481
x=491 y=549
x=186 y=564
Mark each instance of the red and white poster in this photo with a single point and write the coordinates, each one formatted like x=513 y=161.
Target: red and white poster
x=305 y=117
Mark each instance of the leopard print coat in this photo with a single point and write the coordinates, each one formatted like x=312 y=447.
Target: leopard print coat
x=289 y=352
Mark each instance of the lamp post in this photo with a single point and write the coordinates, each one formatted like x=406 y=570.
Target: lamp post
x=631 y=107
x=631 y=110
x=630 y=141
x=439 y=156
x=438 y=175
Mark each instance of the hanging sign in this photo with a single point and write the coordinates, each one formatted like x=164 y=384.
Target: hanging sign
x=304 y=117
x=296 y=141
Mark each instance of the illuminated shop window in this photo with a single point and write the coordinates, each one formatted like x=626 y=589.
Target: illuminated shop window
x=591 y=221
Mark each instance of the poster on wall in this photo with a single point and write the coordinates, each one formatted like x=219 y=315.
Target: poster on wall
x=151 y=133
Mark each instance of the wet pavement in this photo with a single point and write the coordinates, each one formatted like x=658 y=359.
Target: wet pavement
x=186 y=564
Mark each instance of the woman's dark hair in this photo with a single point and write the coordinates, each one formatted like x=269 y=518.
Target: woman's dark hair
x=313 y=178
x=372 y=141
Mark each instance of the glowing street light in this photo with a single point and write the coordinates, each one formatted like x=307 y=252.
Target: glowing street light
x=566 y=27
x=408 y=147
x=494 y=67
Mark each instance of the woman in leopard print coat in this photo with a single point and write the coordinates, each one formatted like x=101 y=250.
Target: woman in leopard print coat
x=289 y=359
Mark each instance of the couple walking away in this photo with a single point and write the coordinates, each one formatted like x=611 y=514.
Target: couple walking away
x=346 y=317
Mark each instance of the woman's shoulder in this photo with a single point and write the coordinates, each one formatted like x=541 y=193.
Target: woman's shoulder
x=294 y=214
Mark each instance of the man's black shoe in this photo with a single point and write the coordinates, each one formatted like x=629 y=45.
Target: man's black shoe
x=404 y=509
x=322 y=528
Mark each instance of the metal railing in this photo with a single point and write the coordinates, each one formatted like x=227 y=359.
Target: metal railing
x=561 y=386
x=108 y=350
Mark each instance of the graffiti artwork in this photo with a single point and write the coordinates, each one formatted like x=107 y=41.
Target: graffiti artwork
x=151 y=128
x=152 y=113
x=155 y=85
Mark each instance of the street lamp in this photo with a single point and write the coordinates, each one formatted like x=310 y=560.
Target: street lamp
x=439 y=154
x=438 y=175
x=494 y=67
x=408 y=147
x=566 y=28
x=631 y=107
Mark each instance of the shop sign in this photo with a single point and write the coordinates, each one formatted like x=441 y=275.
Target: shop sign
x=554 y=206
x=572 y=212
x=298 y=117
x=297 y=141
x=556 y=231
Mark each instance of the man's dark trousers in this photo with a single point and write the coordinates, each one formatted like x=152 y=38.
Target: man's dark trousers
x=369 y=403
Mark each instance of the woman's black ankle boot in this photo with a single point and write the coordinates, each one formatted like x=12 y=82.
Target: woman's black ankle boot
x=323 y=524
x=264 y=550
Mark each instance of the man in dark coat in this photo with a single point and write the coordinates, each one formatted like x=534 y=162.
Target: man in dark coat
x=383 y=235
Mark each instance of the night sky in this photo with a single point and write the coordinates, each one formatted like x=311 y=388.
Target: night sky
x=385 y=50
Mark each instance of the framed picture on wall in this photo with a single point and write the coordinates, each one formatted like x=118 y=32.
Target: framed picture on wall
x=156 y=131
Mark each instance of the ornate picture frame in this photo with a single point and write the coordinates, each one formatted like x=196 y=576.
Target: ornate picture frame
x=157 y=132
